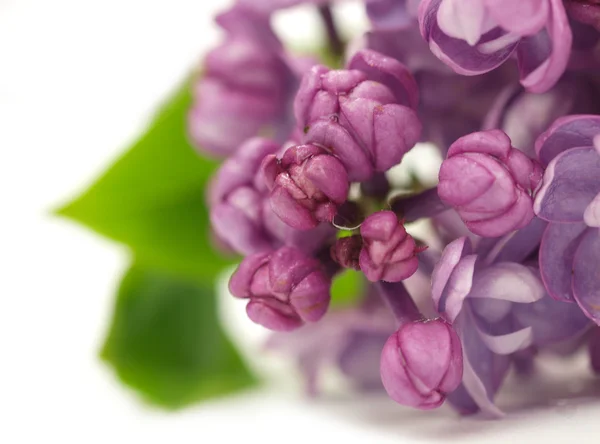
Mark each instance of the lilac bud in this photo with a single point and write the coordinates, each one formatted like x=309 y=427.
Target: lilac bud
x=364 y=114
x=421 y=363
x=286 y=288
x=388 y=252
x=489 y=183
x=307 y=184
x=584 y=11
x=346 y=251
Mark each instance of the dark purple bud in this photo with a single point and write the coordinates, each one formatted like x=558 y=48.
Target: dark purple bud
x=346 y=251
x=389 y=252
x=286 y=288
x=489 y=183
x=421 y=363
x=307 y=184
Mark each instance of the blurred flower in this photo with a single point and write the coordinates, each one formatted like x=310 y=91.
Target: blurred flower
x=346 y=251
x=247 y=86
x=489 y=183
x=286 y=288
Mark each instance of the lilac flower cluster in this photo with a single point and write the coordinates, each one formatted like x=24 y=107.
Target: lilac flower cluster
x=508 y=264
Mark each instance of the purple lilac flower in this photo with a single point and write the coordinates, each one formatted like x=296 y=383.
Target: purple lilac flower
x=422 y=361
x=388 y=252
x=247 y=86
x=240 y=211
x=489 y=183
x=473 y=37
x=307 y=185
x=584 y=11
x=364 y=114
x=286 y=288
x=477 y=297
x=570 y=200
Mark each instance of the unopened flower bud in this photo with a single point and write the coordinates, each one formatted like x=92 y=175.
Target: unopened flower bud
x=307 y=184
x=346 y=251
x=286 y=288
x=489 y=183
x=421 y=363
x=388 y=252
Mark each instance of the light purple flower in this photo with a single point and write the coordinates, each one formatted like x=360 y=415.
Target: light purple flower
x=286 y=288
x=473 y=37
x=570 y=200
x=477 y=298
x=247 y=87
x=364 y=114
x=388 y=252
x=421 y=363
x=307 y=185
x=489 y=183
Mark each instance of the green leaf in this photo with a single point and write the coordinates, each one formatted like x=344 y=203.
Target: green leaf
x=152 y=198
x=165 y=340
x=347 y=288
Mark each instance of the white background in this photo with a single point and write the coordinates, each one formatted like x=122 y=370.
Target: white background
x=78 y=81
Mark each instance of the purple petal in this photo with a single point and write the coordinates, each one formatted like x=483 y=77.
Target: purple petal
x=508 y=343
x=551 y=320
x=571 y=182
x=489 y=53
x=451 y=255
x=565 y=133
x=557 y=250
x=543 y=58
x=591 y=216
x=518 y=245
x=389 y=72
x=508 y=281
x=586 y=274
x=458 y=287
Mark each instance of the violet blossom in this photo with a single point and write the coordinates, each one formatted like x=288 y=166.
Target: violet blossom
x=473 y=37
x=570 y=200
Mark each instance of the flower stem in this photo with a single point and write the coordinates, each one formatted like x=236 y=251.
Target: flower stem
x=335 y=43
x=397 y=298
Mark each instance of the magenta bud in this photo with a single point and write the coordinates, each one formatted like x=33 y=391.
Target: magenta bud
x=346 y=251
x=307 y=185
x=388 y=252
x=489 y=183
x=421 y=363
x=286 y=288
